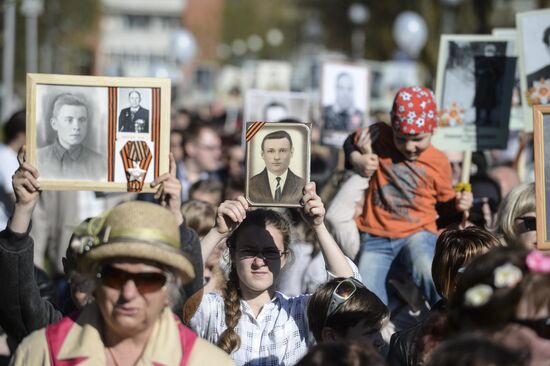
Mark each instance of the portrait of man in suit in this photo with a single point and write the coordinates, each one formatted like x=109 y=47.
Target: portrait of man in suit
x=276 y=183
x=135 y=118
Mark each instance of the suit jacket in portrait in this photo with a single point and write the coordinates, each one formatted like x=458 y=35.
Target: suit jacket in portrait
x=342 y=120
x=260 y=192
x=127 y=120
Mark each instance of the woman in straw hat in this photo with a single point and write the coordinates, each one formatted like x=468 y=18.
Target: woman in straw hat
x=23 y=310
x=251 y=321
x=132 y=256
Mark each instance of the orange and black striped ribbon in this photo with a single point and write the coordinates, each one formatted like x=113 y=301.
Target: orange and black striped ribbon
x=155 y=136
x=252 y=129
x=135 y=151
x=111 y=134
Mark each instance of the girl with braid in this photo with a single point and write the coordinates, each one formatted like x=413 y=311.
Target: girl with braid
x=252 y=322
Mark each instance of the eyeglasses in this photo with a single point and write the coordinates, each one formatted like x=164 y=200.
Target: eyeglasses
x=540 y=326
x=146 y=282
x=529 y=222
x=342 y=293
x=270 y=254
x=209 y=147
x=480 y=201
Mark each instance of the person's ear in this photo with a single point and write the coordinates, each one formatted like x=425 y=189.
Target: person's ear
x=283 y=260
x=328 y=335
x=189 y=148
x=53 y=123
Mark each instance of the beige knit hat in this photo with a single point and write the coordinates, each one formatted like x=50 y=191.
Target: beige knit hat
x=139 y=230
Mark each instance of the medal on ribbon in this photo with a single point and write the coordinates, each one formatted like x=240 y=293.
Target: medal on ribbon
x=136 y=158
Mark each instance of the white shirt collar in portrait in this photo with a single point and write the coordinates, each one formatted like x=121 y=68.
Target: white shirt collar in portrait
x=273 y=181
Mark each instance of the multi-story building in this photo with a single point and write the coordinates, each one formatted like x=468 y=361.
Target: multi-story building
x=135 y=36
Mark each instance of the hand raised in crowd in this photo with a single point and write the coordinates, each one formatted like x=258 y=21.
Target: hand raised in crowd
x=169 y=190
x=364 y=164
x=27 y=190
x=314 y=209
x=366 y=138
x=464 y=201
x=230 y=214
x=25 y=182
x=364 y=161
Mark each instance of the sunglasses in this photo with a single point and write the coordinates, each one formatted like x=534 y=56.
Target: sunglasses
x=342 y=293
x=269 y=254
x=529 y=222
x=540 y=326
x=146 y=282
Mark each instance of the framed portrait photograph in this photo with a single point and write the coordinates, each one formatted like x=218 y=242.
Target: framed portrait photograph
x=229 y=87
x=277 y=163
x=475 y=80
x=344 y=100
x=276 y=106
x=388 y=77
x=534 y=47
x=272 y=75
x=98 y=133
x=541 y=125
x=516 y=111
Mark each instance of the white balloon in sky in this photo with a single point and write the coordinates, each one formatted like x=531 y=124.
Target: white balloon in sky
x=183 y=45
x=410 y=33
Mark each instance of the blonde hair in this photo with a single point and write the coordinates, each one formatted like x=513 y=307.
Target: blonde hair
x=518 y=202
x=199 y=216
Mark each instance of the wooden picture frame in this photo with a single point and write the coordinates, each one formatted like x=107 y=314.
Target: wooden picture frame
x=268 y=158
x=342 y=78
x=98 y=133
x=456 y=96
x=541 y=119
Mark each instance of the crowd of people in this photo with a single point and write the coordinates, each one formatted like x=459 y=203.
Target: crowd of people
x=390 y=260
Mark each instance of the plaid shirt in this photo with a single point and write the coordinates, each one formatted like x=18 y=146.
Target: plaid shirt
x=278 y=336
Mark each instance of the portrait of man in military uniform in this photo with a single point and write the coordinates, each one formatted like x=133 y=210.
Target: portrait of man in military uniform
x=343 y=114
x=345 y=97
x=135 y=118
x=67 y=157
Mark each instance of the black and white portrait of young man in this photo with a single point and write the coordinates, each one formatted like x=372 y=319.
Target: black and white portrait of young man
x=71 y=139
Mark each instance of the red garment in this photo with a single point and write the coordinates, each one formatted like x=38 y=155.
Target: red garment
x=57 y=332
x=402 y=194
x=414 y=111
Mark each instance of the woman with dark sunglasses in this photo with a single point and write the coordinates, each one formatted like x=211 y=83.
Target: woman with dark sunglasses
x=252 y=322
x=133 y=254
x=516 y=217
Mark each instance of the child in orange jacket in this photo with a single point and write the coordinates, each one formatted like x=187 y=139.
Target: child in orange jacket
x=408 y=178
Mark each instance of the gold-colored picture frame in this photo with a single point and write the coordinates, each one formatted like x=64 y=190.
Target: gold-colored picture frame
x=277 y=163
x=541 y=119
x=98 y=133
